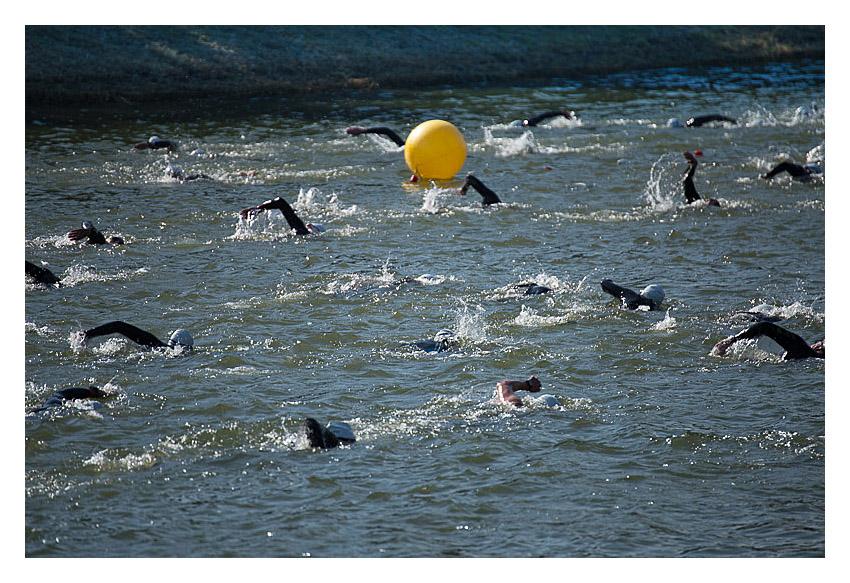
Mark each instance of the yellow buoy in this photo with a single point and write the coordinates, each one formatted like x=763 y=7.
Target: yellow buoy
x=435 y=149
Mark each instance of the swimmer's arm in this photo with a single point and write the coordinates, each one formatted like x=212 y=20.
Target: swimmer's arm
x=533 y=121
x=505 y=393
x=79 y=234
x=41 y=275
x=629 y=297
x=279 y=203
x=487 y=195
x=793 y=344
x=357 y=130
x=131 y=332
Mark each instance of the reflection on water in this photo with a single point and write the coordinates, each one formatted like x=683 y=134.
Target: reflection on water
x=648 y=446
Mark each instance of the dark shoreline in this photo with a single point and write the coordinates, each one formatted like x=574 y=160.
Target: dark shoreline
x=89 y=65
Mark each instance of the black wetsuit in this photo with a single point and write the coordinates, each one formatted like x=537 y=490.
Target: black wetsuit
x=795 y=347
x=41 y=276
x=487 y=195
x=691 y=194
x=156 y=145
x=385 y=132
x=630 y=299
x=701 y=120
x=131 y=332
x=59 y=397
x=532 y=289
x=91 y=235
x=795 y=170
x=533 y=121
x=288 y=213
x=323 y=437
x=433 y=345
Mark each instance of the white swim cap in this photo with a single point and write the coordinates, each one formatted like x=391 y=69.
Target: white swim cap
x=153 y=139
x=87 y=225
x=653 y=292
x=547 y=401
x=444 y=335
x=181 y=337
x=673 y=123
x=315 y=228
x=342 y=431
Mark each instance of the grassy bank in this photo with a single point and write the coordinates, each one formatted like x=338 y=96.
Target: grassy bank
x=100 y=64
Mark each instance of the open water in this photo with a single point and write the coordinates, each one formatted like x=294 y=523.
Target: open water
x=654 y=448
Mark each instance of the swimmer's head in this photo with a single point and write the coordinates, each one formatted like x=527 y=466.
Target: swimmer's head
x=820 y=348
x=87 y=225
x=96 y=392
x=673 y=123
x=444 y=335
x=653 y=292
x=315 y=228
x=182 y=338
x=173 y=172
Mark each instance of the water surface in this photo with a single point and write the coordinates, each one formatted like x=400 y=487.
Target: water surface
x=655 y=448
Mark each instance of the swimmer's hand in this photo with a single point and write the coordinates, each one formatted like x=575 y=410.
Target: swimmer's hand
x=721 y=347
x=355 y=130
x=78 y=234
x=254 y=210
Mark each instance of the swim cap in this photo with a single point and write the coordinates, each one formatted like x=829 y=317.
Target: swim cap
x=547 y=401
x=653 y=292
x=181 y=337
x=342 y=431
x=315 y=228
x=444 y=335
x=673 y=123
x=87 y=225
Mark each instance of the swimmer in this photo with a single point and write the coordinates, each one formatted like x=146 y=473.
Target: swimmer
x=795 y=347
x=179 y=338
x=443 y=341
x=691 y=194
x=357 y=131
x=93 y=236
x=155 y=143
x=293 y=219
x=335 y=434
x=759 y=316
x=60 y=397
x=41 y=275
x=505 y=390
x=701 y=120
x=532 y=289
x=488 y=196
x=176 y=173
x=797 y=171
x=651 y=296
x=533 y=121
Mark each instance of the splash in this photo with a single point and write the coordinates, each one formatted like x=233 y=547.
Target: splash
x=107 y=460
x=668 y=323
x=509 y=146
x=471 y=323
x=663 y=186
x=430 y=202
x=812 y=114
